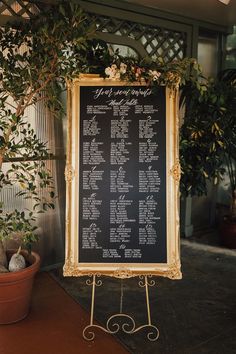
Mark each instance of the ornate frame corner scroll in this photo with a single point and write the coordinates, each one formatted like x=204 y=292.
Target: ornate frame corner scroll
x=73 y=267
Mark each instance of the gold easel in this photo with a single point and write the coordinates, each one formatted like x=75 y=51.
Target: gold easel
x=128 y=327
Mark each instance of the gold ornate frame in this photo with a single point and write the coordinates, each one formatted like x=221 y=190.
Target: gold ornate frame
x=73 y=267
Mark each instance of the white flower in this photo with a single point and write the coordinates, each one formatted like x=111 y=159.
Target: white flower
x=108 y=71
x=113 y=72
x=123 y=68
x=155 y=74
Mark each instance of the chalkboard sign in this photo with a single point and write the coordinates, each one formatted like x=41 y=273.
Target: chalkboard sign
x=122 y=178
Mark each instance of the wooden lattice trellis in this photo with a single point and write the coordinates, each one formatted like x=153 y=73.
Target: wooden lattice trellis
x=18 y=8
x=156 y=41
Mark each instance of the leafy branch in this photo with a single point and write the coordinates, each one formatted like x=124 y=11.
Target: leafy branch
x=36 y=60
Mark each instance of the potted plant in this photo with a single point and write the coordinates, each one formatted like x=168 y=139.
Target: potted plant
x=36 y=59
x=208 y=142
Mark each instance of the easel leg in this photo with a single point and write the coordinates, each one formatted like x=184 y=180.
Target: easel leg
x=87 y=333
x=147 y=301
x=128 y=324
x=92 y=300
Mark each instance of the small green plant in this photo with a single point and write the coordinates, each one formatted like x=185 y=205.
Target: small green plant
x=208 y=136
x=24 y=169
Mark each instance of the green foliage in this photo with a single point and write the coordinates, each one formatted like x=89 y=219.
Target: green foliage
x=37 y=57
x=208 y=135
x=155 y=73
x=97 y=57
x=19 y=226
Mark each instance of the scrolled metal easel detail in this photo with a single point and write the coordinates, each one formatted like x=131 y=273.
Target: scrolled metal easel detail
x=93 y=281
x=121 y=321
x=146 y=280
x=128 y=327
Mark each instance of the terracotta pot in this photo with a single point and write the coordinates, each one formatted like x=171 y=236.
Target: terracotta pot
x=228 y=233
x=16 y=288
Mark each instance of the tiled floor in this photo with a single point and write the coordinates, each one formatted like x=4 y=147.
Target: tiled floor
x=54 y=326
